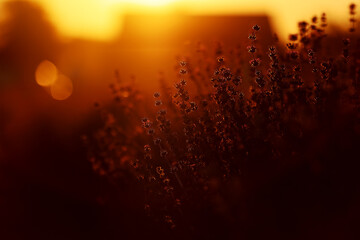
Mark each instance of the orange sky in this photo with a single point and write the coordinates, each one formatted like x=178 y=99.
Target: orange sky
x=100 y=19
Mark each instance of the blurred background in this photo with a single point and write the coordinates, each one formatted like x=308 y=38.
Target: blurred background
x=58 y=57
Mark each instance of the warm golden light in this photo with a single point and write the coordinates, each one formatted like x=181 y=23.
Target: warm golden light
x=46 y=73
x=62 y=88
x=101 y=19
x=143 y=2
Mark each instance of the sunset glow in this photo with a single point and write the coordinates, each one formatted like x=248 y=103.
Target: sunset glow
x=179 y=119
x=142 y=2
x=102 y=19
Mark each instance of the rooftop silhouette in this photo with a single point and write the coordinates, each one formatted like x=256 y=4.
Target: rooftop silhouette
x=168 y=31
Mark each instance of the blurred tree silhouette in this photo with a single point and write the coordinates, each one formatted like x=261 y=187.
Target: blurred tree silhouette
x=27 y=37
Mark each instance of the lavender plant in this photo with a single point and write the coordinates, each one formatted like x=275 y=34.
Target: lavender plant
x=208 y=138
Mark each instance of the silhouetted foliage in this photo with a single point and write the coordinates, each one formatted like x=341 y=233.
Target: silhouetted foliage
x=218 y=149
